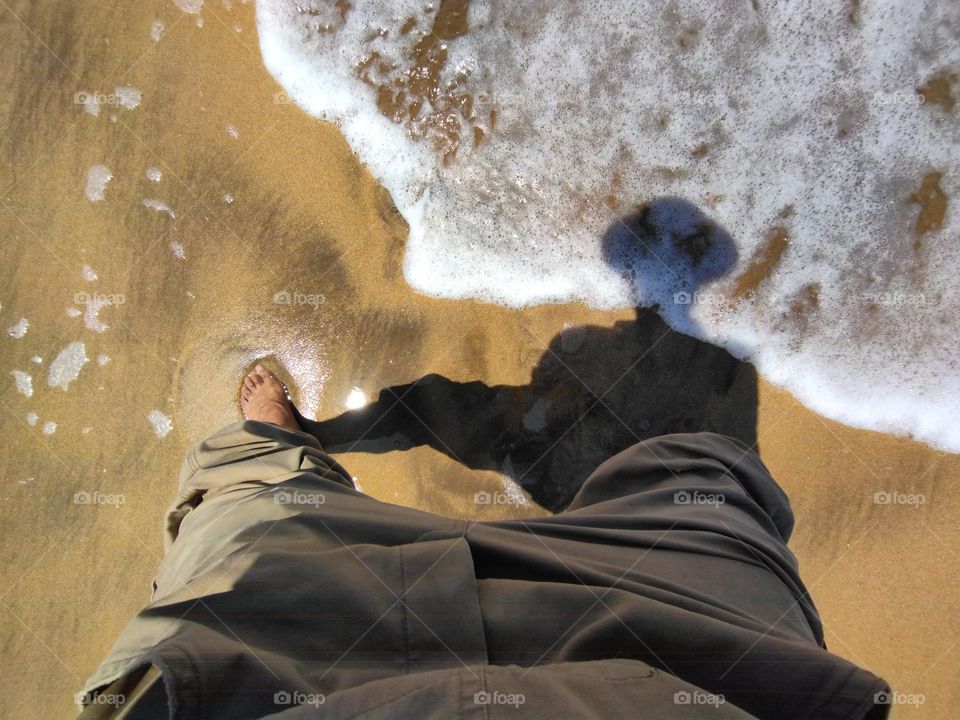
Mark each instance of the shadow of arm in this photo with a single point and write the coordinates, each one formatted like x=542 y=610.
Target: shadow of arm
x=461 y=420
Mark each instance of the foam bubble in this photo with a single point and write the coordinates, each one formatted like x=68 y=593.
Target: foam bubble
x=189 y=6
x=19 y=329
x=512 y=146
x=156 y=30
x=97 y=178
x=67 y=365
x=159 y=207
x=89 y=274
x=23 y=382
x=127 y=97
x=513 y=492
x=91 y=313
x=161 y=423
x=49 y=427
x=32 y=418
x=154 y=174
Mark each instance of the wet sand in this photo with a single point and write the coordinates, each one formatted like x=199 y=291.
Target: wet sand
x=306 y=219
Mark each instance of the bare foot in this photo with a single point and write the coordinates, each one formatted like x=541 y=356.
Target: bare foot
x=264 y=398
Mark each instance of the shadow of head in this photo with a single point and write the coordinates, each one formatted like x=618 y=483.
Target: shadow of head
x=668 y=249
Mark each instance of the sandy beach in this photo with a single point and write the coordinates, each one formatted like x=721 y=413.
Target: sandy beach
x=266 y=237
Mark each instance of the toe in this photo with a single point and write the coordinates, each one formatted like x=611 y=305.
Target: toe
x=249 y=383
x=263 y=372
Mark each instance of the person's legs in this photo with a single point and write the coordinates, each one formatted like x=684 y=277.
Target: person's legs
x=279 y=576
x=692 y=466
x=672 y=553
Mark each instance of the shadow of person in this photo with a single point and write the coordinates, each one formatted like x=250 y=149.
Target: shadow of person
x=596 y=390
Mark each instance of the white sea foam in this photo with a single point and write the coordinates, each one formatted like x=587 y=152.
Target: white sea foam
x=799 y=115
x=156 y=30
x=97 y=178
x=512 y=491
x=161 y=423
x=89 y=274
x=19 y=329
x=32 y=418
x=127 y=97
x=189 y=6
x=23 y=382
x=160 y=207
x=154 y=174
x=67 y=365
x=49 y=427
x=91 y=312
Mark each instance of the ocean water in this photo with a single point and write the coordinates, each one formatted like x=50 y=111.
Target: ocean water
x=780 y=178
